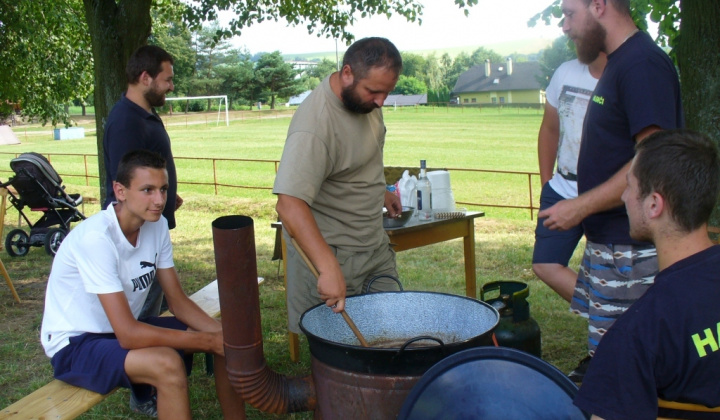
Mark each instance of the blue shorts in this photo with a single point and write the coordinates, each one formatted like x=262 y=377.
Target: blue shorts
x=97 y=362
x=554 y=246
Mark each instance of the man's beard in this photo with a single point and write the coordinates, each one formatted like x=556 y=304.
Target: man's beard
x=353 y=103
x=592 y=42
x=154 y=97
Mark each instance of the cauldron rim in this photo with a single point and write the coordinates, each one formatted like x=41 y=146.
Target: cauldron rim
x=413 y=360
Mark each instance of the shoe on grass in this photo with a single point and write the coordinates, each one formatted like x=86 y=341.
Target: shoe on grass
x=148 y=408
x=578 y=373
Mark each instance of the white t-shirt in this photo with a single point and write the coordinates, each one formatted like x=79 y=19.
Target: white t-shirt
x=569 y=92
x=96 y=258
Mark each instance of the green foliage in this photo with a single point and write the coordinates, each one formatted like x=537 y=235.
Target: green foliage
x=439 y=96
x=323 y=69
x=275 y=77
x=237 y=80
x=312 y=76
x=561 y=50
x=324 y=18
x=480 y=55
x=170 y=33
x=413 y=64
x=409 y=86
x=45 y=55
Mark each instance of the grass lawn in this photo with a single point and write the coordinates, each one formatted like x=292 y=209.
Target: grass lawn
x=457 y=138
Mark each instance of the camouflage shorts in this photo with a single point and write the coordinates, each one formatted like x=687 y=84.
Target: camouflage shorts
x=610 y=279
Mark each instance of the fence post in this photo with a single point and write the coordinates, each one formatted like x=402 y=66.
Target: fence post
x=87 y=179
x=530 y=195
x=215 y=183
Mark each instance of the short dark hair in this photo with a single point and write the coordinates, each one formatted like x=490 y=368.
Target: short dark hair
x=682 y=166
x=137 y=159
x=147 y=58
x=372 y=52
x=622 y=6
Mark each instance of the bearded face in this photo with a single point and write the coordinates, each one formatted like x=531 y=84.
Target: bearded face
x=353 y=102
x=155 y=96
x=591 y=42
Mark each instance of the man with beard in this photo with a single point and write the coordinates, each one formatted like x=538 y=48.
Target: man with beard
x=666 y=345
x=133 y=124
x=331 y=185
x=637 y=95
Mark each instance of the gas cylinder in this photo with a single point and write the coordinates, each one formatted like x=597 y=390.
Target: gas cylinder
x=516 y=329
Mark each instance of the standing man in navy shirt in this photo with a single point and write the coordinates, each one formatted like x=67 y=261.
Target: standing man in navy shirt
x=666 y=345
x=133 y=124
x=637 y=95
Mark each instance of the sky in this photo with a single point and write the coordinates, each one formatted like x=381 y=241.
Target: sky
x=444 y=26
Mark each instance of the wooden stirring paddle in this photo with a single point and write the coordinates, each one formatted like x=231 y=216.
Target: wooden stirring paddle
x=344 y=314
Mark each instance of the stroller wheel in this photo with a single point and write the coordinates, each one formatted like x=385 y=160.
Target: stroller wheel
x=53 y=239
x=17 y=243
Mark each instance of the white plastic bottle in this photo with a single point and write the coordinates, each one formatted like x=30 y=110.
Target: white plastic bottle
x=424 y=197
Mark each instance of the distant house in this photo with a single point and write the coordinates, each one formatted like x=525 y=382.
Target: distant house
x=302 y=65
x=499 y=84
x=405 y=100
x=297 y=99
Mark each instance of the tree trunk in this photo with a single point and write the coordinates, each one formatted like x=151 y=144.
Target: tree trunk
x=117 y=29
x=699 y=65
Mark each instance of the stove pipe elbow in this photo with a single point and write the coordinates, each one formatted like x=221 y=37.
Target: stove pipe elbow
x=252 y=379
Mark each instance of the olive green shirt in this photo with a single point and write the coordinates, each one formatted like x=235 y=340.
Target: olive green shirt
x=333 y=160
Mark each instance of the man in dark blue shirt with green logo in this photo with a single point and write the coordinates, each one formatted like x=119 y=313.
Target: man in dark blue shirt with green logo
x=666 y=345
x=637 y=95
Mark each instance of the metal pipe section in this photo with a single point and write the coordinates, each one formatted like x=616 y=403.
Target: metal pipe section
x=252 y=379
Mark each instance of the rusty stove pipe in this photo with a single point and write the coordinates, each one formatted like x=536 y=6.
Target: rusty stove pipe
x=252 y=379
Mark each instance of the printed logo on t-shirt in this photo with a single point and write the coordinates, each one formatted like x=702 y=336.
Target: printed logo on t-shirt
x=144 y=281
x=707 y=341
x=572 y=105
x=598 y=99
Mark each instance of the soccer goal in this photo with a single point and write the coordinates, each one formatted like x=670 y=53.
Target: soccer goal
x=223 y=100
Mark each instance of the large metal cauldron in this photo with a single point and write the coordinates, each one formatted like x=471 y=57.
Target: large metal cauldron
x=388 y=320
x=355 y=382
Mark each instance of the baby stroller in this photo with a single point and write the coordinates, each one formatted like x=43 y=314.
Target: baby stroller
x=40 y=188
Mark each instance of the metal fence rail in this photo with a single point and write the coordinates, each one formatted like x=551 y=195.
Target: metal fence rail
x=89 y=173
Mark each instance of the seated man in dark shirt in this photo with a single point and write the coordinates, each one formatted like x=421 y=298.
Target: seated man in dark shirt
x=666 y=344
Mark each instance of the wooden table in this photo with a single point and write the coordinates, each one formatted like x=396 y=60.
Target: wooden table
x=414 y=235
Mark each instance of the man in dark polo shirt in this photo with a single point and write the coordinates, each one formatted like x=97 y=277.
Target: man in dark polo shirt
x=133 y=124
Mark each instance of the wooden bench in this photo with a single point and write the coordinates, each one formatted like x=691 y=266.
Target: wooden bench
x=688 y=407
x=59 y=400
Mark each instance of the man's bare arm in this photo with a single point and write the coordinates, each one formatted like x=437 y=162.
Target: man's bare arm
x=548 y=139
x=569 y=213
x=298 y=221
x=133 y=334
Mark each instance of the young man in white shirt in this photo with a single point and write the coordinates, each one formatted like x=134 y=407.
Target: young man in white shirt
x=99 y=281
